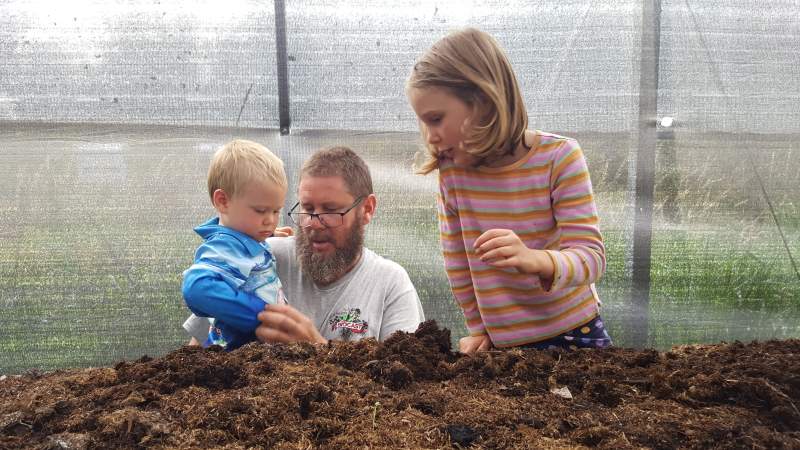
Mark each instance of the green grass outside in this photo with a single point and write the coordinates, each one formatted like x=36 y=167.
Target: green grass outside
x=90 y=289
x=101 y=308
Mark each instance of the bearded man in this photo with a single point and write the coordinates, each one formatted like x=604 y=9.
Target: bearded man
x=336 y=288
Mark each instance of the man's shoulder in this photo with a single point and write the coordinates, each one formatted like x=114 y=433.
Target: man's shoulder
x=382 y=264
x=282 y=249
x=281 y=244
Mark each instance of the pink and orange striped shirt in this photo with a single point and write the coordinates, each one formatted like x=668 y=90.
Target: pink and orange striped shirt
x=546 y=199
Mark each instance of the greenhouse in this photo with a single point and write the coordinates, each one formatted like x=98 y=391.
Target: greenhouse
x=687 y=114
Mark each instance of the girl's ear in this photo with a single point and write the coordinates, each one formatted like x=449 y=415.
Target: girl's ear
x=220 y=200
x=481 y=109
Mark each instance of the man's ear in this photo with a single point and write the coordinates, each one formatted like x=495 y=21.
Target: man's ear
x=220 y=200
x=370 y=203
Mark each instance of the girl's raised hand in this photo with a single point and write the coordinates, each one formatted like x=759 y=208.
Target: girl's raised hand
x=503 y=248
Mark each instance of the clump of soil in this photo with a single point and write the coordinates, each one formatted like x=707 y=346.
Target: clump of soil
x=412 y=391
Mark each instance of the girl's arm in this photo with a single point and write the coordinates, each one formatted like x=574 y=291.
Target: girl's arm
x=580 y=258
x=503 y=248
x=455 y=262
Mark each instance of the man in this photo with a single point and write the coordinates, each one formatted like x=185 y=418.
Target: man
x=336 y=288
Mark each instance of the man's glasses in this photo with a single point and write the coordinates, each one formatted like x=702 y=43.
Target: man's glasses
x=328 y=219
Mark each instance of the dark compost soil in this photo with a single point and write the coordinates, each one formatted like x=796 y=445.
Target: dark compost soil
x=414 y=392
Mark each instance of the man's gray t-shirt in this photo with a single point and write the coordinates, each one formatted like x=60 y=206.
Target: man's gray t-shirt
x=375 y=299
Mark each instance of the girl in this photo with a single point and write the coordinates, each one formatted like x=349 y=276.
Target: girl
x=517 y=220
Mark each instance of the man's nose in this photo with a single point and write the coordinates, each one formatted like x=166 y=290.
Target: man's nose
x=315 y=222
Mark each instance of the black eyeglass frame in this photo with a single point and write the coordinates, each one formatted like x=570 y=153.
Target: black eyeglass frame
x=311 y=216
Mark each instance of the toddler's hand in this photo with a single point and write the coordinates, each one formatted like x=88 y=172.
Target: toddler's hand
x=283 y=232
x=471 y=344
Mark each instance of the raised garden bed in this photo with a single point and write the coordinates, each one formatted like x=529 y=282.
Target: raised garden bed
x=413 y=392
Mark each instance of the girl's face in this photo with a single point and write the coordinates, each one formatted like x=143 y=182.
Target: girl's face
x=445 y=119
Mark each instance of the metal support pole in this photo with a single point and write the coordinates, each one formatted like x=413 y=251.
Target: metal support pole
x=645 y=173
x=284 y=112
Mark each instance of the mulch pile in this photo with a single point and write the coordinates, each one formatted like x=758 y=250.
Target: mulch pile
x=414 y=392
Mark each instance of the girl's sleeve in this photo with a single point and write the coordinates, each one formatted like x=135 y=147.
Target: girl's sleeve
x=209 y=292
x=580 y=258
x=456 y=264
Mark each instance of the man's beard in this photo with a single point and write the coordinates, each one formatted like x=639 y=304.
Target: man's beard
x=325 y=269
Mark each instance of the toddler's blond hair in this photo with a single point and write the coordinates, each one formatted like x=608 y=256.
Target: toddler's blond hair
x=241 y=161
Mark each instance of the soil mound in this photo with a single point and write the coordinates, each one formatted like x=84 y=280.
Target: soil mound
x=413 y=391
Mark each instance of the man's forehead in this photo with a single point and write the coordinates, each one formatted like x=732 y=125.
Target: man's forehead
x=322 y=189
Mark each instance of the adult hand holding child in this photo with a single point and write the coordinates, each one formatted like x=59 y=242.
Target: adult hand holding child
x=283 y=323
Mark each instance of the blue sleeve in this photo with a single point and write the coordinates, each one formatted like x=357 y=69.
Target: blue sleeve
x=208 y=295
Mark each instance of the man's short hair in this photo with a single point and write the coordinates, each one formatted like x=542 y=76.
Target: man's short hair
x=241 y=161
x=342 y=162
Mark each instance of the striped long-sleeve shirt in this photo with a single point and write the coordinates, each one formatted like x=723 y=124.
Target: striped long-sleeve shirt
x=546 y=199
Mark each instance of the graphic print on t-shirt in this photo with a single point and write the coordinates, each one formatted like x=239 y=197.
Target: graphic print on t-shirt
x=348 y=322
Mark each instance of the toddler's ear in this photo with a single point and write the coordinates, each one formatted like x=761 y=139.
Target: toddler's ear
x=220 y=200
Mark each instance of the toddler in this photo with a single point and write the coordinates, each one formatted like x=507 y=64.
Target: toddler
x=233 y=276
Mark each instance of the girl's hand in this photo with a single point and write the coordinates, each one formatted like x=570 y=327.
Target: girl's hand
x=503 y=248
x=471 y=344
x=283 y=232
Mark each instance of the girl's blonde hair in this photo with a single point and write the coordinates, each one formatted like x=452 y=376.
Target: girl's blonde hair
x=239 y=162
x=470 y=64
